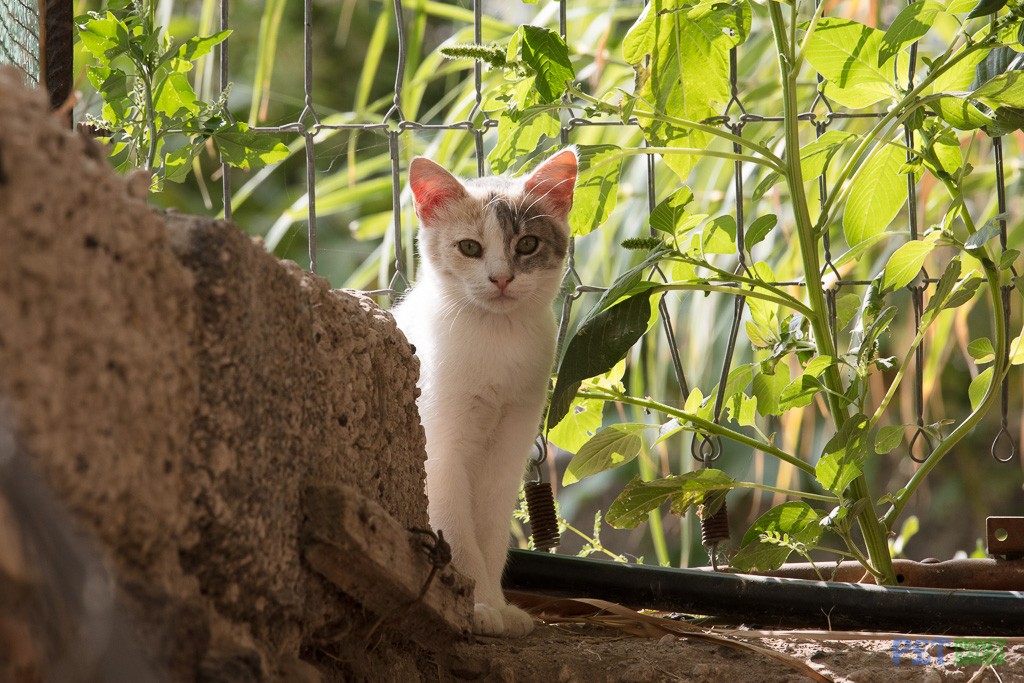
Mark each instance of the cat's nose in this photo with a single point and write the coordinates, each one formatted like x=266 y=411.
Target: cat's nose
x=501 y=282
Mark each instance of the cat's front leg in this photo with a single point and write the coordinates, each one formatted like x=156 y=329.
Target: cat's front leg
x=453 y=448
x=500 y=473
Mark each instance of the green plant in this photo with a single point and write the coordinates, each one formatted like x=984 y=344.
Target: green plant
x=149 y=104
x=680 y=55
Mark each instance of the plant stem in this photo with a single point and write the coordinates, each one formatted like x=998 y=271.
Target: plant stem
x=793 y=302
x=871 y=528
x=736 y=291
x=704 y=425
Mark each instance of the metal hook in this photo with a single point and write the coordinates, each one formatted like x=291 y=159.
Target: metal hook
x=927 y=440
x=706 y=449
x=1003 y=435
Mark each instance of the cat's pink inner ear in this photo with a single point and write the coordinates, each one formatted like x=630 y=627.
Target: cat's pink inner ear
x=553 y=182
x=432 y=187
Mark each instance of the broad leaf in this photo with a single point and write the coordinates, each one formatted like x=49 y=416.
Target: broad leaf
x=637 y=500
x=905 y=263
x=175 y=97
x=845 y=53
x=247 y=150
x=888 y=438
x=580 y=424
x=981 y=350
x=596 y=347
x=610 y=447
x=986 y=7
x=795 y=523
x=519 y=134
x=768 y=390
x=759 y=229
x=667 y=215
x=544 y=51
x=688 y=73
x=877 y=193
x=597 y=187
x=979 y=387
x=909 y=26
x=194 y=48
x=1005 y=90
x=843 y=456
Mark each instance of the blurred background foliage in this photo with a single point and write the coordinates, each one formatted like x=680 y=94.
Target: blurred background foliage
x=354 y=56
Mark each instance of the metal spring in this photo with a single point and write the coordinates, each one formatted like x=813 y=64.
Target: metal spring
x=540 y=504
x=714 y=529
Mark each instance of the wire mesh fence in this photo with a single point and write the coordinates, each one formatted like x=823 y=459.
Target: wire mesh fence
x=20 y=38
x=820 y=117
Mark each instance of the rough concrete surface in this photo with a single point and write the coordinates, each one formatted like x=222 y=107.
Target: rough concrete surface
x=178 y=388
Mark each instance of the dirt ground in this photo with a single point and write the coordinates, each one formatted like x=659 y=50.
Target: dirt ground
x=586 y=653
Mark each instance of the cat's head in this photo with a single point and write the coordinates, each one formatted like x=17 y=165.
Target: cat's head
x=499 y=242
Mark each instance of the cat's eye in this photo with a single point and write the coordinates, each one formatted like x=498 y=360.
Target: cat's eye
x=470 y=248
x=527 y=245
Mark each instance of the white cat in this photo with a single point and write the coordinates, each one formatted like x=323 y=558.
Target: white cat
x=480 y=316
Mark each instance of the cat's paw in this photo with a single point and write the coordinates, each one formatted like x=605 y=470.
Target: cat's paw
x=517 y=622
x=487 y=620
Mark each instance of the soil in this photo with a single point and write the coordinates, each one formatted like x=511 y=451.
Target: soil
x=174 y=393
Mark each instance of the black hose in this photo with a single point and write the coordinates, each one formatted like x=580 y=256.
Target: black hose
x=766 y=602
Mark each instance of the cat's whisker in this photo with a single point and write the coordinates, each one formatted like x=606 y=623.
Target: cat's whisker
x=551 y=189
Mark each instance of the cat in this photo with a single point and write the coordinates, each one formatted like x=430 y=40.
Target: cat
x=492 y=253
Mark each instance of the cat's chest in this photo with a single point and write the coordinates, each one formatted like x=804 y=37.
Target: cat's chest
x=503 y=356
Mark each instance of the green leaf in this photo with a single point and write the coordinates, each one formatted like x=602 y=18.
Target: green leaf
x=610 y=447
x=175 y=97
x=247 y=150
x=888 y=438
x=981 y=350
x=910 y=25
x=877 y=193
x=641 y=37
x=846 y=309
x=759 y=229
x=843 y=456
x=196 y=47
x=800 y=392
x=544 y=51
x=1007 y=258
x=580 y=424
x=960 y=113
x=845 y=53
x=99 y=34
x=796 y=521
x=178 y=163
x=597 y=184
x=596 y=347
x=945 y=286
x=769 y=388
x=982 y=236
x=905 y=263
x=687 y=77
x=519 y=134
x=979 y=387
x=986 y=7
x=667 y=215
x=815 y=156
x=743 y=410
x=637 y=500
x=1005 y=90
x=719 y=236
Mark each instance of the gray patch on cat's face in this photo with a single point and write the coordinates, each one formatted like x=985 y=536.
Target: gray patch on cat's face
x=498 y=214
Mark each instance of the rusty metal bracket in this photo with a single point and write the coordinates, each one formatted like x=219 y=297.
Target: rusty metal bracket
x=1005 y=536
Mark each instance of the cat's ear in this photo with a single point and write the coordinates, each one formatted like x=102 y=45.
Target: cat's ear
x=432 y=187
x=553 y=181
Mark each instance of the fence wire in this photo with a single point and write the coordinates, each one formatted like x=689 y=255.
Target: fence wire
x=20 y=43
x=820 y=117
